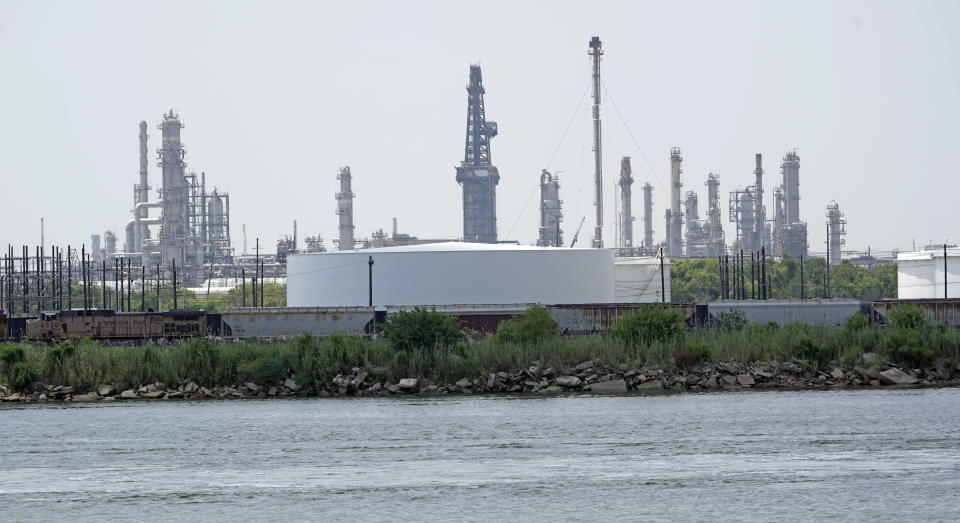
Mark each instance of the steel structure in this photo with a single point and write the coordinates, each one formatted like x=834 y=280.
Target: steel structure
x=793 y=239
x=596 y=51
x=836 y=229
x=345 y=210
x=550 y=211
x=476 y=173
x=675 y=215
x=647 y=219
x=626 y=197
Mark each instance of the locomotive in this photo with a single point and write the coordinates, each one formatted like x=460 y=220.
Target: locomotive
x=109 y=324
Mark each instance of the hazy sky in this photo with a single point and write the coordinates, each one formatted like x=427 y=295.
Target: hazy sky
x=277 y=96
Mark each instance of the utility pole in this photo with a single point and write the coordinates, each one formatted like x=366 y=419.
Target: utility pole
x=174 y=284
x=370 y=279
x=753 y=278
x=826 y=284
x=158 y=288
x=143 y=288
x=801 y=276
x=945 y=273
x=763 y=268
x=663 y=286
x=243 y=279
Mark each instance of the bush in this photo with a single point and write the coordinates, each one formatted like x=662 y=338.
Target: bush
x=649 y=324
x=533 y=325
x=730 y=321
x=914 y=355
x=421 y=329
x=811 y=351
x=857 y=322
x=695 y=353
x=908 y=317
x=11 y=354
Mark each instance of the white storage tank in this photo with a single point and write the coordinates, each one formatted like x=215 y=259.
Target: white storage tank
x=637 y=280
x=451 y=273
x=920 y=274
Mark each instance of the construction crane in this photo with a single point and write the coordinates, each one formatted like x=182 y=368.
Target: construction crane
x=574 y=242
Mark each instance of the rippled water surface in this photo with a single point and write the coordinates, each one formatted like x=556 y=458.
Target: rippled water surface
x=892 y=454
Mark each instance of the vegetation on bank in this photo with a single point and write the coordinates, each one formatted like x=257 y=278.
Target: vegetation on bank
x=697 y=281
x=425 y=344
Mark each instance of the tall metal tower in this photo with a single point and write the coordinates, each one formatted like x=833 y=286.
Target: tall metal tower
x=647 y=218
x=141 y=193
x=675 y=240
x=759 y=211
x=836 y=227
x=345 y=210
x=550 y=211
x=174 y=229
x=476 y=173
x=626 y=213
x=596 y=50
x=794 y=229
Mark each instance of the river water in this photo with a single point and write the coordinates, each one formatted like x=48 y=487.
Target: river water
x=812 y=455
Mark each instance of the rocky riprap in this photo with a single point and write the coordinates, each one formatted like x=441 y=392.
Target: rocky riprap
x=588 y=376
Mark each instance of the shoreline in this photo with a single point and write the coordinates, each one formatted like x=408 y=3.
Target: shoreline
x=587 y=377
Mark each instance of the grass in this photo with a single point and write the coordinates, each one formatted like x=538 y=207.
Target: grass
x=309 y=360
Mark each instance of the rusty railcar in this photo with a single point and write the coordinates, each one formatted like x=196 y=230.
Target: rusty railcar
x=939 y=311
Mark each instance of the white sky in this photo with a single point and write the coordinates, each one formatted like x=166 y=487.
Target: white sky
x=276 y=96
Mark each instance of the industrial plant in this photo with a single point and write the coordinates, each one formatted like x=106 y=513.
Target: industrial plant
x=180 y=235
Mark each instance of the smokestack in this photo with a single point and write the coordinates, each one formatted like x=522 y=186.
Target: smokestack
x=345 y=210
x=675 y=239
x=648 y=217
x=759 y=216
x=626 y=213
x=596 y=51
x=394 y=228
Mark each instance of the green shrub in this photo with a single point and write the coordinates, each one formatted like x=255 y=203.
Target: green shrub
x=22 y=376
x=533 y=325
x=730 y=321
x=11 y=354
x=649 y=324
x=914 y=355
x=811 y=351
x=421 y=329
x=857 y=322
x=908 y=317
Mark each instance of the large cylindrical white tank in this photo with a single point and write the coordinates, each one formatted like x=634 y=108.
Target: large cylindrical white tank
x=451 y=273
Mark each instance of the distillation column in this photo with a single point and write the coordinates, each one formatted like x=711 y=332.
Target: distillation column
x=836 y=230
x=345 y=210
x=626 y=212
x=596 y=51
x=173 y=234
x=675 y=242
x=648 y=217
x=759 y=213
x=142 y=193
x=550 y=211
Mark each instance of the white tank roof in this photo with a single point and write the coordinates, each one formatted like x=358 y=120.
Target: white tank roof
x=444 y=247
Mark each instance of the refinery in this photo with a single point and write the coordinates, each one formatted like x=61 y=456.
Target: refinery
x=180 y=235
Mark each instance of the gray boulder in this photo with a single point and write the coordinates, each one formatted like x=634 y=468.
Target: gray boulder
x=408 y=384
x=104 y=390
x=650 y=385
x=584 y=366
x=464 y=383
x=609 y=387
x=128 y=394
x=896 y=377
x=745 y=380
x=568 y=381
x=290 y=384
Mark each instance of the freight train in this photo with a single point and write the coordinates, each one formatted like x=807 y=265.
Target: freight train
x=483 y=319
x=112 y=325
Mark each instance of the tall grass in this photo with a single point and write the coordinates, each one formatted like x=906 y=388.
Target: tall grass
x=310 y=360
